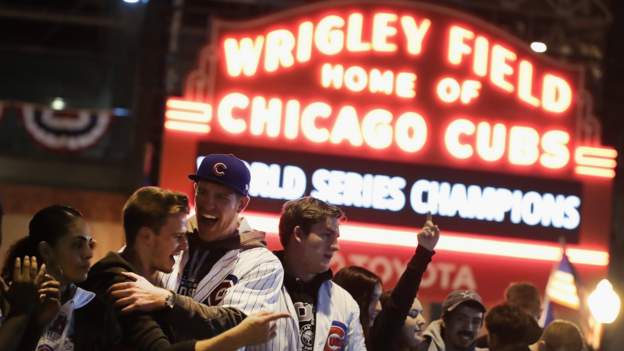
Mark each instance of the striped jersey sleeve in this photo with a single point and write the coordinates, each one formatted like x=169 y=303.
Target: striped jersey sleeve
x=260 y=276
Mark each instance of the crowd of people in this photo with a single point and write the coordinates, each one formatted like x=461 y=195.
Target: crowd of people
x=208 y=282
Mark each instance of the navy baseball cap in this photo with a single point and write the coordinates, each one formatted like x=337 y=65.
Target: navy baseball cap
x=458 y=297
x=225 y=169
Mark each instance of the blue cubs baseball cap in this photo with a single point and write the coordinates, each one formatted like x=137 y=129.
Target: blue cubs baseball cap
x=225 y=169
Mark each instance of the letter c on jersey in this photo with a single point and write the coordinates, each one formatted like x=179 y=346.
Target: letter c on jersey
x=336 y=337
x=217 y=294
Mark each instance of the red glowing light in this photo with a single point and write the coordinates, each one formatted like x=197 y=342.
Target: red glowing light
x=454 y=242
x=595 y=161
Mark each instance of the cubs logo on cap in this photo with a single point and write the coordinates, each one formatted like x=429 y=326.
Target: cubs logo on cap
x=225 y=169
x=219 y=169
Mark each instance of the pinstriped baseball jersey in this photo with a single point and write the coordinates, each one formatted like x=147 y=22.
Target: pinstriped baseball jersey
x=249 y=280
x=338 y=325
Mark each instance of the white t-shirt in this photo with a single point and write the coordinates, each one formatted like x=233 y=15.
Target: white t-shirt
x=58 y=335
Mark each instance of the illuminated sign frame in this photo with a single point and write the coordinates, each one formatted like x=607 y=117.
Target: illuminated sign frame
x=318 y=103
x=482 y=72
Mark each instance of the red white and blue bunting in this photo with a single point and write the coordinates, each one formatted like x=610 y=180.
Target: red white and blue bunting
x=62 y=130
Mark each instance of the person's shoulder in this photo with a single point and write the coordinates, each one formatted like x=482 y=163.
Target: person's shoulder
x=106 y=272
x=259 y=255
x=113 y=261
x=338 y=293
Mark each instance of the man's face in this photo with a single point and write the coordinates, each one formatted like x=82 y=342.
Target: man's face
x=462 y=326
x=414 y=326
x=169 y=242
x=217 y=209
x=320 y=245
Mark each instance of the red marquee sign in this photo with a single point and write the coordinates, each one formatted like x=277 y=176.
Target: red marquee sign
x=400 y=82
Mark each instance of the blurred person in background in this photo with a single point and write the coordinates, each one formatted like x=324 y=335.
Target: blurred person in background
x=523 y=295
x=511 y=329
x=561 y=335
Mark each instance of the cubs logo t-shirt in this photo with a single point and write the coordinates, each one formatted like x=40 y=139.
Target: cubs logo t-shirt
x=202 y=257
x=59 y=334
x=304 y=296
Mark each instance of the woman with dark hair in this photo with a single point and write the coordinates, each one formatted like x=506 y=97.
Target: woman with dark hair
x=59 y=237
x=366 y=288
x=18 y=300
x=383 y=323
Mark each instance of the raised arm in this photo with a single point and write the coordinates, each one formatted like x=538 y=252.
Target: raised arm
x=393 y=313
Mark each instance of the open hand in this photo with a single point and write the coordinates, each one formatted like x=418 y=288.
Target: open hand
x=22 y=293
x=429 y=235
x=138 y=294
x=49 y=298
x=259 y=327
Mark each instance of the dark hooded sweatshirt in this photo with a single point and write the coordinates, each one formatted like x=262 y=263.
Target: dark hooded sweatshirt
x=159 y=330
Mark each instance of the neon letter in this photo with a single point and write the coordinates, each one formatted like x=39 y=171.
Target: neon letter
x=242 y=56
x=304 y=41
x=414 y=33
x=376 y=128
x=355 y=78
x=556 y=94
x=328 y=39
x=480 y=59
x=382 y=30
x=406 y=84
x=381 y=81
x=265 y=114
x=411 y=132
x=448 y=90
x=555 y=146
x=525 y=83
x=346 y=126
x=354 y=34
x=308 y=119
x=291 y=124
x=279 y=48
x=469 y=90
x=451 y=138
x=457 y=48
x=499 y=68
x=229 y=122
x=523 y=146
x=491 y=146
x=331 y=75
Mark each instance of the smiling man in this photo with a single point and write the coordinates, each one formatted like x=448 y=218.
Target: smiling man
x=324 y=315
x=224 y=265
x=462 y=318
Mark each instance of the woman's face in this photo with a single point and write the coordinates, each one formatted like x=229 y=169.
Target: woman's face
x=414 y=326
x=375 y=305
x=71 y=256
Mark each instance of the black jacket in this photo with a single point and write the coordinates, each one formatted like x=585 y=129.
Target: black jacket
x=155 y=331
